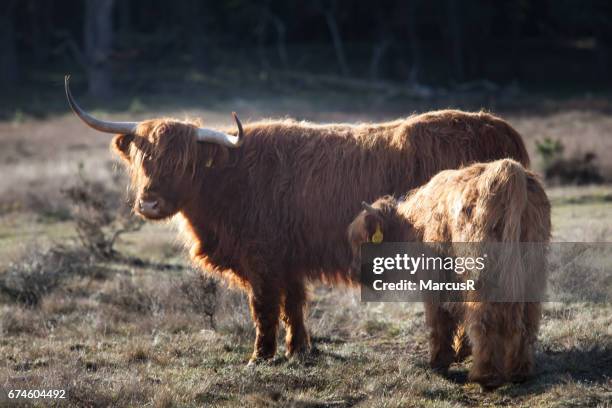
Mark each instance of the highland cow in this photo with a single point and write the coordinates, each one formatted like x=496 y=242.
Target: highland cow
x=483 y=203
x=267 y=206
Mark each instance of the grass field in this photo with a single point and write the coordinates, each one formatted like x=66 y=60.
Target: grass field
x=137 y=331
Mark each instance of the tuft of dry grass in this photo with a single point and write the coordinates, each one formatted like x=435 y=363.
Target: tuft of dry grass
x=18 y=321
x=138 y=353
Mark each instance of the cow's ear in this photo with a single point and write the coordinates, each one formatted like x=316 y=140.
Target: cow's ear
x=121 y=145
x=213 y=155
x=220 y=156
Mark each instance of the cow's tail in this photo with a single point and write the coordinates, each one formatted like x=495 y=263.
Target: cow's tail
x=505 y=189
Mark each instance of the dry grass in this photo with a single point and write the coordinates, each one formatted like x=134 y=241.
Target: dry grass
x=117 y=333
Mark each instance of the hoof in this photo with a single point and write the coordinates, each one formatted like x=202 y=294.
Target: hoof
x=440 y=367
x=520 y=378
x=441 y=370
x=299 y=354
x=488 y=382
x=254 y=361
x=522 y=374
x=442 y=362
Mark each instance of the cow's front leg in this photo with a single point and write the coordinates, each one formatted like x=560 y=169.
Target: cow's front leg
x=294 y=301
x=442 y=327
x=265 y=310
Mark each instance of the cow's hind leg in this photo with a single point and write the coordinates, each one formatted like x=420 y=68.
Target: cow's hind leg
x=522 y=367
x=292 y=314
x=265 y=310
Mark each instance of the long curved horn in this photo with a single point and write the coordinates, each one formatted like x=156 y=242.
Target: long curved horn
x=101 y=125
x=369 y=208
x=214 y=136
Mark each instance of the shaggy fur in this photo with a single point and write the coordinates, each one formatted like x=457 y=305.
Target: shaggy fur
x=493 y=202
x=272 y=215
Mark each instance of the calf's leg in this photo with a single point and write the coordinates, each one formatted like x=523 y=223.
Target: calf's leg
x=442 y=327
x=496 y=331
x=523 y=366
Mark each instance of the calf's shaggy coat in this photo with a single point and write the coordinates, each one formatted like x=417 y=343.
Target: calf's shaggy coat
x=482 y=203
x=272 y=214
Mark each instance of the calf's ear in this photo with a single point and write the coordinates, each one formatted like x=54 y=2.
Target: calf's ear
x=373 y=223
x=373 y=228
x=121 y=145
x=367 y=227
x=376 y=236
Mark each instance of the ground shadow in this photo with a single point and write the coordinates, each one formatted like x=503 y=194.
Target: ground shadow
x=553 y=368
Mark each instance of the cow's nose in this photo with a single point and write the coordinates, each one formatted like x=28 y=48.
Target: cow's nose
x=147 y=206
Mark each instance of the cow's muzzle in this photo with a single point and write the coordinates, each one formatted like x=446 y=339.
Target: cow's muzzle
x=148 y=208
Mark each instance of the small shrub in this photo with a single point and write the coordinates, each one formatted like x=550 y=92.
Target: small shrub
x=16 y=321
x=202 y=294
x=39 y=272
x=137 y=106
x=130 y=297
x=47 y=210
x=576 y=170
x=99 y=223
x=233 y=317
x=18 y=117
x=550 y=150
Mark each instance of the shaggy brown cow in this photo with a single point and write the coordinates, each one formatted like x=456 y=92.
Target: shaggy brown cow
x=267 y=207
x=493 y=202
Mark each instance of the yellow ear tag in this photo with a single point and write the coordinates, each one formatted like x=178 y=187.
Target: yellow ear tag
x=209 y=162
x=377 y=237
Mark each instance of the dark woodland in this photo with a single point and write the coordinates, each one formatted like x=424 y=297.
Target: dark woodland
x=159 y=46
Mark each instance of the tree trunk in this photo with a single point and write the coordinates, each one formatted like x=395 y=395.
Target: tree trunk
x=413 y=41
x=265 y=17
x=380 y=47
x=378 y=52
x=281 y=47
x=9 y=67
x=456 y=38
x=124 y=17
x=98 y=32
x=260 y=33
x=334 y=31
x=200 y=45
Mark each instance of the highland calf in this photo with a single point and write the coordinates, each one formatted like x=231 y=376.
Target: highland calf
x=267 y=206
x=498 y=202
